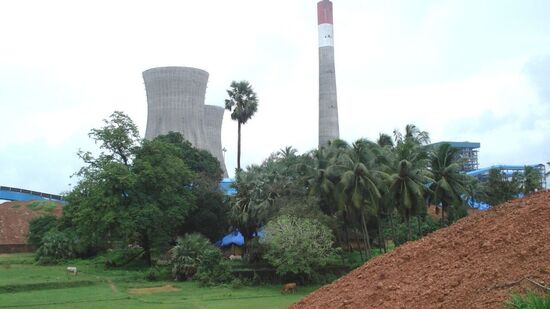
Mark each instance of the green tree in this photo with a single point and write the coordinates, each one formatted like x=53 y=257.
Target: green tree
x=384 y=140
x=449 y=184
x=407 y=164
x=358 y=185
x=98 y=205
x=242 y=103
x=532 y=179
x=297 y=246
x=413 y=134
x=134 y=191
x=56 y=247
x=38 y=227
x=161 y=197
x=261 y=192
x=499 y=189
x=195 y=257
x=407 y=191
x=210 y=216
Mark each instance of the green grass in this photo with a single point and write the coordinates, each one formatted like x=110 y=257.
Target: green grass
x=16 y=206
x=529 y=301
x=46 y=206
x=17 y=258
x=28 y=285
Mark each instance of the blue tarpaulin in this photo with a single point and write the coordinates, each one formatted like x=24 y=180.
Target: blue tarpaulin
x=233 y=238
x=236 y=238
x=226 y=186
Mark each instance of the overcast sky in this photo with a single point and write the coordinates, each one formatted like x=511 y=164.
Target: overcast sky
x=464 y=70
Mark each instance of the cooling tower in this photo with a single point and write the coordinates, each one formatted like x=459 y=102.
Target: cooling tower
x=328 y=107
x=213 y=118
x=175 y=100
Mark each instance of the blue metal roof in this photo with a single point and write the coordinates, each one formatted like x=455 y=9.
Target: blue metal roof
x=459 y=144
x=17 y=194
x=486 y=170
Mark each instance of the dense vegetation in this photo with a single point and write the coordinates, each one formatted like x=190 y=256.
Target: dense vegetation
x=136 y=193
x=158 y=201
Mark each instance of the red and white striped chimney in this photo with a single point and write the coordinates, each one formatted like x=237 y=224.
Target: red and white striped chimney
x=328 y=105
x=324 y=20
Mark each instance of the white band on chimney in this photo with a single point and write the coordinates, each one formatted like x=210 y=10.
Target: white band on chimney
x=326 y=35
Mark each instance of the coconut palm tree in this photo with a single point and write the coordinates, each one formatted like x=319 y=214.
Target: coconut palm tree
x=407 y=191
x=406 y=161
x=242 y=103
x=358 y=184
x=385 y=140
x=449 y=184
x=287 y=152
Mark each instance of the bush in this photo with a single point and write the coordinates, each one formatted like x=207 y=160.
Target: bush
x=152 y=274
x=38 y=227
x=427 y=225
x=297 y=246
x=56 y=247
x=195 y=257
x=529 y=301
x=121 y=257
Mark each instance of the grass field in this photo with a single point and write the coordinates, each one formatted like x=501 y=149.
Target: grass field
x=23 y=284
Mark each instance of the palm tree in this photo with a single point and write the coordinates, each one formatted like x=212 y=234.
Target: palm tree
x=449 y=184
x=358 y=184
x=385 y=140
x=407 y=191
x=287 y=152
x=405 y=159
x=413 y=132
x=243 y=103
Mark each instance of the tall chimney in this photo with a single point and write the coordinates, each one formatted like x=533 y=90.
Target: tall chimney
x=328 y=106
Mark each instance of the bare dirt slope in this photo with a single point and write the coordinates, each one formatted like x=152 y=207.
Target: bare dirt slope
x=475 y=263
x=15 y=218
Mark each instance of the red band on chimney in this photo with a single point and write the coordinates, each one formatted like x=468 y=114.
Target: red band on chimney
x=324 y=12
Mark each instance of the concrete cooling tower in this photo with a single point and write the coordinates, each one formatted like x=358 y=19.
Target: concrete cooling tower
x=175 y=102
x=213 y=118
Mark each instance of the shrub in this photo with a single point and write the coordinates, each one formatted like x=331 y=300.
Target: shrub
x=297 y=246
x=56 y=247
x=195 y=257
x=399 y=232
x=121 y=257
x=38 y=227
x=152 y=274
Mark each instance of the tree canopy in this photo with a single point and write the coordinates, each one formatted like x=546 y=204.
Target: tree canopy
x=143 y=191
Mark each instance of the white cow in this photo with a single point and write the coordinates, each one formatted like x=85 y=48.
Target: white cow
x=72 y=270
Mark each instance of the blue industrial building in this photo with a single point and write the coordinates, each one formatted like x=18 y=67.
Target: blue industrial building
x=17 y=194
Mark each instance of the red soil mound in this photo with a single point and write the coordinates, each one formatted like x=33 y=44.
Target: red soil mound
x=475 y=263
x=15 y=218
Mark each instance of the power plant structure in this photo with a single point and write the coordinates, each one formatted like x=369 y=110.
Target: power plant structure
x=328 y=106
x=175 y=102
